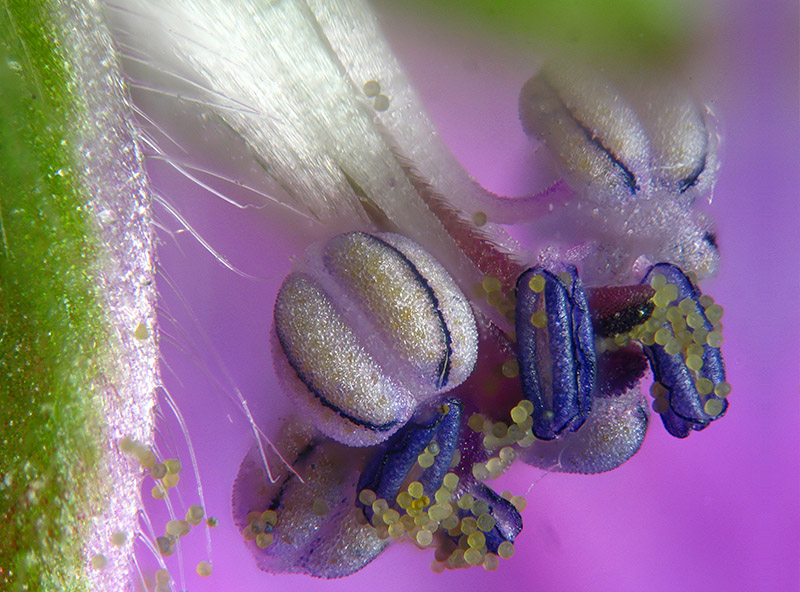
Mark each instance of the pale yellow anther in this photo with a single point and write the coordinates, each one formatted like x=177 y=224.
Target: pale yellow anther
x=264 y=540
x=204 y=569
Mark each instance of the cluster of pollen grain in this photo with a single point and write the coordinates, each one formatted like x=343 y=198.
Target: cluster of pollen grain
x=166 y=475
x=372 y=88
x=461 y=541
x=491 y=290
x=678 y=326
x=504 y=436
x=260 y=526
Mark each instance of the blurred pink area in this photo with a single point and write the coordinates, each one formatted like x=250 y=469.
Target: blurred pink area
x=717 y=511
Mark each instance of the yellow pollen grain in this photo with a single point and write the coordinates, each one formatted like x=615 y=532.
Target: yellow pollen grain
x=367 y=497
x=658 y=281
x=473 y=556
x=714 y=313
x=425 y=460
x=450 y=481
x=204 y=569
x=694 y=362
x=479 y=219
x=173 y=465
x=320 y=507
x=519 y=502
x=491 y=562
x=486 y=522
x=723 y=389
x=713 y=407
x=264 y=540
x=424 y=538
x=270 y=517
x=505 y=549
x=704 y=386
x=415 y=489
x=99 y=562
x=491 y=284
x=539 y=319
x=510 y=369
x=536 y=283
x=162 y=576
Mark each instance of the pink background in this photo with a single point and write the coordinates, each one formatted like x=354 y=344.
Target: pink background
x=718 y=511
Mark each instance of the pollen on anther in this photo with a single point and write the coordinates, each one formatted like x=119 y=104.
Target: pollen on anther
x=99 y=561
x=713 y=407
x=479 y=219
